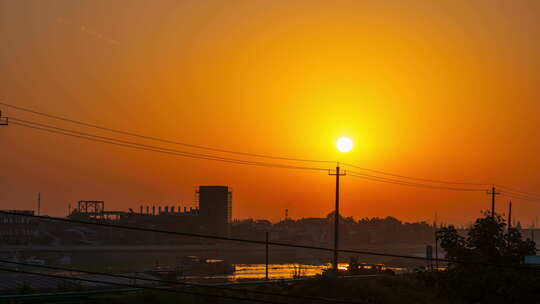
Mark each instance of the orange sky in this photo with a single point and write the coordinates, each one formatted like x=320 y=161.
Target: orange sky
x=436 y=89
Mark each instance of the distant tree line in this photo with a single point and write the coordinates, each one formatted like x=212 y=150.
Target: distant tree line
x=320 y=230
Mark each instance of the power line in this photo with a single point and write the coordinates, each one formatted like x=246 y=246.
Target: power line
x=139 y=286
x=140 y=146
x=179 y=152
x=108 y=140
x=330 y=300
x=518 y=192
x=129 y=144
x=188 y=234
x=520 y=197
x=161 y=139
x=196 y=235
x=135 y=145
x=411 y=184
x=415 y=178
x=4 y=121
x=408 y=183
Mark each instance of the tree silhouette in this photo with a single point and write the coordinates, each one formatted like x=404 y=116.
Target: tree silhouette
x=487 y=241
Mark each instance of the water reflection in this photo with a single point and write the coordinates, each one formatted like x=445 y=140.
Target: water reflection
x=277 y=271
x=287 y=271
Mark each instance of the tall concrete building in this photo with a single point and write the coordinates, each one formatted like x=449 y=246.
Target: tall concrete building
x=215 y=209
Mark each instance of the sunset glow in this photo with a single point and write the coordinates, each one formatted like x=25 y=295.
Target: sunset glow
x=344 y=144
x=446 y=90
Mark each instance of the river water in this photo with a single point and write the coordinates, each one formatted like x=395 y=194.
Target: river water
x=279 y=271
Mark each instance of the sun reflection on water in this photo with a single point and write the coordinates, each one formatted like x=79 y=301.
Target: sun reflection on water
x=286 y=271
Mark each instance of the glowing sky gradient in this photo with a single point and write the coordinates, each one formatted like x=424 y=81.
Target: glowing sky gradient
x=438 y=89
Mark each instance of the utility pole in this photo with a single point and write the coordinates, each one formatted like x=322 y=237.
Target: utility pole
x=336 y=217
x=436 y=251
x=510 y=215
x=533 y=227
x=39 y=203
x=266 y=255
x=493 y=193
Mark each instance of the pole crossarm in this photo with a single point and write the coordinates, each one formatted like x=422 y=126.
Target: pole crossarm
x=333 y=172
x=4 y=121
x=493 y=193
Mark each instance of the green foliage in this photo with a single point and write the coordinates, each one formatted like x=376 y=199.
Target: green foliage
x=501 y=280
x=488 y=241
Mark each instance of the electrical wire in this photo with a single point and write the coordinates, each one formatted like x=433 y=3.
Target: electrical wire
x=140 y=146
x=518 y=192
x=330 y=300
x=219 y=150
x=123 y=143
x=411 y=184
x=414 y=178
x=56 y=276
x=108 y=140
x=129 y=144
x=161 y=139
x=196 y=235
x=520 y=197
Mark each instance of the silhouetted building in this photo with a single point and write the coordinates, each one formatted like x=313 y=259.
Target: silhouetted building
x=17 y=229
x=215 y=209
x=213 y=216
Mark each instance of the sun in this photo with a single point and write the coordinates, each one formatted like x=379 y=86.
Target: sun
x=344 y=144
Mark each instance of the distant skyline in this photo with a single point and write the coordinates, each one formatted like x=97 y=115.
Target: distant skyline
x=442 y=90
